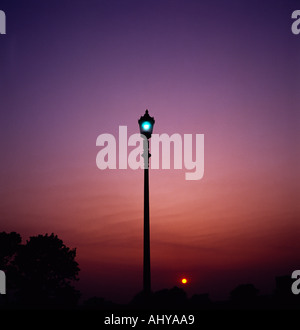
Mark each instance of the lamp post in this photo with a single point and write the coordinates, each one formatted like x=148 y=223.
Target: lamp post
x=146 y=124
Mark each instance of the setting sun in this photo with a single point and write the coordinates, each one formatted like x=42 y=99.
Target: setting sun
x=184 y=281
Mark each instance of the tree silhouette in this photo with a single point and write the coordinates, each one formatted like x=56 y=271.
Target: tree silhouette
x=163 y=299
x=244 y=293
x=42 y=270
x=9 y=245
x=46 y=268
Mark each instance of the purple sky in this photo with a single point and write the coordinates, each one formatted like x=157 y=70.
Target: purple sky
x=71 y=70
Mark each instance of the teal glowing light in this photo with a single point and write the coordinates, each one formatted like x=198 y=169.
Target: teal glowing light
x=146 y=126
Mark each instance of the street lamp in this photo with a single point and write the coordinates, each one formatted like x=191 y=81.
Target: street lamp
x=146 y=124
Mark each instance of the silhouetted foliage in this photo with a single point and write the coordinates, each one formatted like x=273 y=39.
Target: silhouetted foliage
x=99 y=303
x=175 y=297
x=283 y=286
x=200 y=300
x=166 y=298
x=9 y=244
x=244 y=293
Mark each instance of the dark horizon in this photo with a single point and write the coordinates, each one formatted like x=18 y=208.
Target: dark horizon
x=42 y=274
x=278 y=286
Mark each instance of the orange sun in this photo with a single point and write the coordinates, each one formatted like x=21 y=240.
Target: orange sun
x=184 y=281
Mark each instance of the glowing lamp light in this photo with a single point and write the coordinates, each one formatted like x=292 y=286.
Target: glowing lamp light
x=146 y=124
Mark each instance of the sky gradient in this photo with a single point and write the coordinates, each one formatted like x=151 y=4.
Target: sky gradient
x=71 y=70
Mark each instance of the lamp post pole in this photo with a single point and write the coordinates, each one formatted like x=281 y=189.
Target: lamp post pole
x=146 y=127
x=147 y=270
